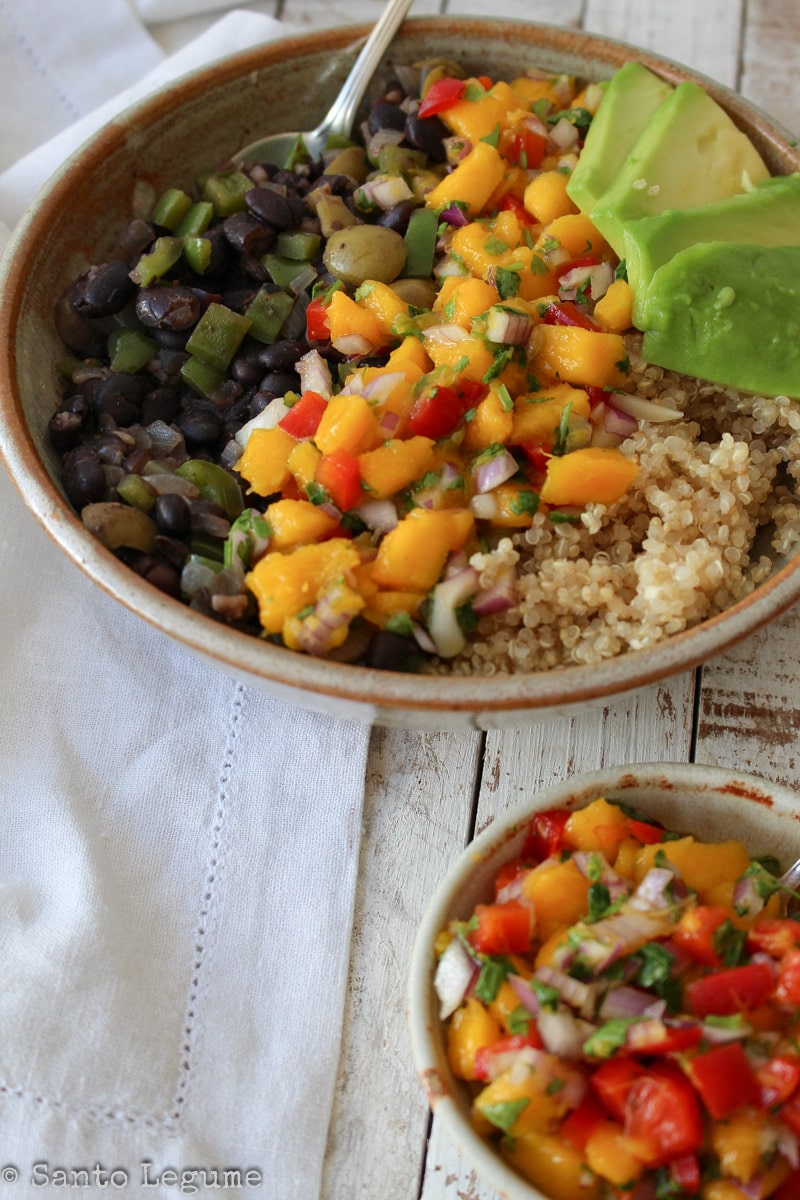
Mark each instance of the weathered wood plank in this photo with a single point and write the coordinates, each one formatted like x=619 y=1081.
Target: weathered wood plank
x=416 y=821
x=769 y=59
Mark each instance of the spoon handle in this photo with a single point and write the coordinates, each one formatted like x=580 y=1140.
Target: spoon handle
x=340 y=117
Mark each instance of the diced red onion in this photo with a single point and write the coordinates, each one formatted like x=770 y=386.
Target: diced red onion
x=602 y=278
x=315 y=374
x=485 y=507
x=389 y=190
x=446 y=267
x=378 y=515
x=654 y=890
x=446 y=335
x=352 y=344
x=746 y=899
x=423 y=638
x=500 y=1061
x=268 y=418
x=331 y=613
x=302 y=280
x=564 y=134
x=454 y=976
x=623 y=1002
x=446 y=598
x=383 y=137
x=719 y=1034
x=563 y=1033
x=788 y=1146
x=532 y=123
x=645 y=1032
x=575 y=992
x=381 y=387
x=753 y=1188
x=494 y=471
x=509 y=328
x=330 y=510
x=525 y=994
x=617 y=422
x=592 y=864
x=645 y=410
x=498 y=598
x=454 y=215
x=571 y=280
x=173 y=485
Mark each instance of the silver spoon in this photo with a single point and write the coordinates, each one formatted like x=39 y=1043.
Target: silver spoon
x=790 y=879
x=277 y=147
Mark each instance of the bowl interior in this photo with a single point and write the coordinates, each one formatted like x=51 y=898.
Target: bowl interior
x=711 y=803
x=167 y=140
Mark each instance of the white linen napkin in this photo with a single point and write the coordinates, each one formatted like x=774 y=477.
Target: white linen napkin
x=178 y=863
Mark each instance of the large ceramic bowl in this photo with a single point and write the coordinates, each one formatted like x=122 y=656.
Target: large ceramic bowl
x=712 y=803
x=166 y=140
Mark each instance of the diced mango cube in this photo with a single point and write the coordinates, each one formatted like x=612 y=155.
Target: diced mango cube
x=576 y=233
x=264 y=463
x=575 y=355
x=462 y=299
x=493 y=422
x=558 y=894
x=348 y=423
x=303 y=461
x=410 y=353
x=546 y=197
x=283 y=584
x=594 y=475
x=609 y=1155
x=394 y=465
x=552 y=1165
x=345 y=317
x=472 y=181
x=411 y=556
x=470 y=1028
x=296 y=523
x=384 y=605
x=474 y=119
x=615 y=309
x=383 y=302
x=536 y=417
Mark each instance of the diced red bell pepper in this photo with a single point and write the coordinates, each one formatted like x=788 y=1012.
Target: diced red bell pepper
x=546 y=834
x=684 y=1174
x=508 y=873
x=676 y=1037
x=724 y=1079
x=537 y=454
x=643 y=831
x=291 y=491
x=436 y=413
x=340 y=475
x=737 y=989
x=579 y=1125
x=485 y=81
x=790 y=1115
x=502 y=928
x=774 y=936
x=515 y=1041
x=441 y=95
x=789 y=1189
x=613 y=1080
x=317 y=327
x=662 y=1116
x=525 y=148
x=567 y=313
x=778 y=1079
x=696 y=930
x=787 y=989
x=303 y=418
x=512 y=203
x=470 y=391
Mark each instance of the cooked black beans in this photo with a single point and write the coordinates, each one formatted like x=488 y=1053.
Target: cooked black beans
x=170 y=308
x=202 y=428
x=68 y=423
x=162 y=404
x=278 y=383
x=386 y=116
x=281 y=211
x=397 y=217
x=171 y=515
x=84 y=478
x=427 y=134
x=104 y=290
x=248 y=235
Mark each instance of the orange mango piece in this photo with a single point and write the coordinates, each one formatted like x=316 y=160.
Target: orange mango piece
x=283 y=584
x=594 y=475
x=552 y=1165
x=296 y=523
x=546 y=197
x=536 y=417
x=348 y=423
x=461 y=299
x=615 y=310
x=264 y=463
x=472 y=181
x=383 y=302
x=471 y=357
x=574 y=355
x=470 y=1028
x=411 y=556
x=302 y=462
x=474 y=119
x=558 y=895
x=492 y=422
x=345 y=317
x=394 y=465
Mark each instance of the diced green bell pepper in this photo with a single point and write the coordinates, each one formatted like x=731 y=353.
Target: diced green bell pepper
x=130 y=349
x=171 y=208
x=217 y=336
x=226 y=191
x=165 y=253
x=266 y=313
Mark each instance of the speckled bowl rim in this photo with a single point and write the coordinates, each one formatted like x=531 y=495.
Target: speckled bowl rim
x=770 y=822
x=359 y=692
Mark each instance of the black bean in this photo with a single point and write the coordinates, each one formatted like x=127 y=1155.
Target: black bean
x=171 y=339
x=165 y=578
x=104 y=289
x=160 y=405
x=278 y=210
x=428 y=134
x=171 y=308
x=68 y=423
x=282 y=354
x=278 y=383
x=121 y=411
x=259 y=402
x=221 y=252
x=76 y=332
x=252 y=265
x=84 y=478
x=200 y=427
x=247 y=367
x=171 y=549
x=240 y=298
x=385 y=116
x=397 y=217
x=137 y=460
x=391 y=652
x=136 y=238
x=238 y=413
x=120 y=396
x=247 y=234
x=171 y=515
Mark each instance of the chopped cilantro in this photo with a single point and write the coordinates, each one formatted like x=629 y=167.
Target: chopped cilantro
x=608 y=1038
x=467 y=617
x=554 y=1087
x=525 y=501
x=316 y=493
x=581 y=118
x=400 y=623
x=495 y=246
x=547 y=996
x=461 y=364
x=488 y=453
x=493 y=138
x=541 y=107
x=562 y=432
x=470 y=414
x=729 y=943
x=323 y=291
x=353 y=523
x=505 y=398
x=538 y=265
x=474 y=91
x=562 y=518
x=527 y=237
x=599 y=901
x=549 y=245
x=494 y=971
x=624 y=365
x=449 y=310
x=519 y=1020
x=505 y=1115
x=501 y=360
x=622 y=270
x=305 y=612
x=507 y=282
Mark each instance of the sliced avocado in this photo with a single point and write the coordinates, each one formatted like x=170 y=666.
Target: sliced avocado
x=690 y=153
x=632 y=96
x=729 y=313
x=769 y=215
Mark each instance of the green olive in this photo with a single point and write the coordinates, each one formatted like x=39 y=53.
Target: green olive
x=419 y=292
x=118 y=525
x=214 y=484
x=365 y=252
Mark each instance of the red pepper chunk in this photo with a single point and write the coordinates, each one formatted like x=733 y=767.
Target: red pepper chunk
x=502 y=928
x=523 y=147
x=675 y=1037
x=737 y=989
x=546 y=834
x=436 y=413
x=537 y=454
x=724 y=1079
x=516 y=1041
x=440 y=96
x=579 y=1125
x=778 y=1079
x=643 y=831
x=684 y=1174
x=613 y=1081
x=567 y=313
x=662 y=1116
x=787 y=989
x=775 y=936
x=512 y=203
x=303 y=418
x=317 y=327
x=340 y=475
x=789 y=1189
x=508 y=873
x=696 y=930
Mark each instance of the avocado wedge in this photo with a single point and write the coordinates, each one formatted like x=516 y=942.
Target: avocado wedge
x=769 y=215
x=690 y=153
x=729 y=313
x=631 y=97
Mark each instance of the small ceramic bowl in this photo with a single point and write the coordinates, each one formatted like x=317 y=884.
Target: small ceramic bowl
x=167 y=140
x=712 y=803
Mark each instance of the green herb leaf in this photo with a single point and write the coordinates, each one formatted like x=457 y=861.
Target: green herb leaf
x=507 y=282
x=495 y=246
x=316 y=493
x=400 y=623
x=501 y=361
x=505 y=1115
x=728 y=941
x=505 y=398
x=622 y=270
x=495 y=969
x=599 y=901
x=493 y=138
x=519 y=1020
x=608 y=1038
x=525 y=502
x=548 y=996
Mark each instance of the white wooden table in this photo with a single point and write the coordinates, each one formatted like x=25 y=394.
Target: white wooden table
x=426 y=794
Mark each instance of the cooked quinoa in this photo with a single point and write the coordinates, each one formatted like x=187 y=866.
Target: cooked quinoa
x=679 y=547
